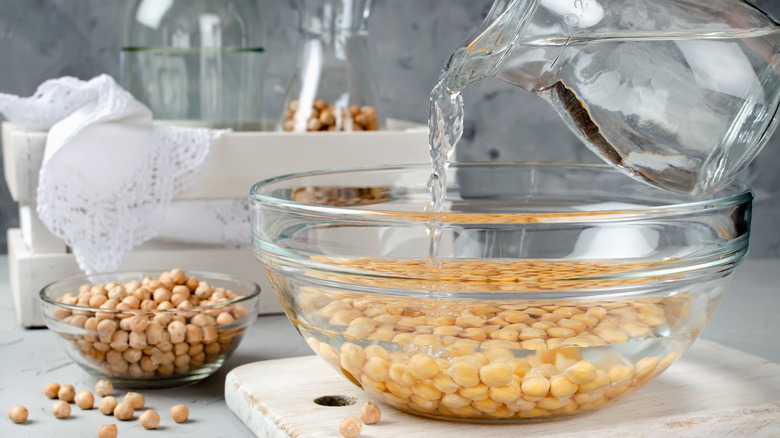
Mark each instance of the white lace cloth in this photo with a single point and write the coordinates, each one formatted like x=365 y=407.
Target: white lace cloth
x=108 y=174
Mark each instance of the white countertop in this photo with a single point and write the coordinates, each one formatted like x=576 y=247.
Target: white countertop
x=748 y=320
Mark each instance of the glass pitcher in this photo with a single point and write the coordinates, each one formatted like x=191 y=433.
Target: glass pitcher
x=196 y=62
x=680 y=94
x=333 y=87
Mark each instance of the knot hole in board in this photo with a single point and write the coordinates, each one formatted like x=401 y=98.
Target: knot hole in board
x=335 y=400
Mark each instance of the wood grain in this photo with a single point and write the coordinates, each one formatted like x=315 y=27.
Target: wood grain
x=712 y=391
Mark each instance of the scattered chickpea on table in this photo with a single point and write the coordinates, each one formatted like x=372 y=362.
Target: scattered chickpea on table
x=370 y=413
x=108 y=431
x=104 y=387
x=350 y=427
x=107 y=405
x=66 y=393
x=85 y=400
x=60 y=409
x=124 y=411
x=179 y=413
x=51 y=390
x=18 y=414
x=149 y=419
x=136 y=400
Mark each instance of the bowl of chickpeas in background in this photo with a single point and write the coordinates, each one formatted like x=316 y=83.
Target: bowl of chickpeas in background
x=540 y=291
x=150 y=329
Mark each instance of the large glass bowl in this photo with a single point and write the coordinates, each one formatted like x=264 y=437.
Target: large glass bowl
x=144 y=346
x=561 y=287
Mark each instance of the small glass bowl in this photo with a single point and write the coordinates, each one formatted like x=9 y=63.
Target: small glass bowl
x=560 y=287
x=150 y=348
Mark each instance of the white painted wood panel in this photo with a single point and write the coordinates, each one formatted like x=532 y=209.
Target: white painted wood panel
x=712 y=391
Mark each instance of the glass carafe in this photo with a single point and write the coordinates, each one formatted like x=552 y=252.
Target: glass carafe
x=196 y=62
x=333 y=88
x=681 y=94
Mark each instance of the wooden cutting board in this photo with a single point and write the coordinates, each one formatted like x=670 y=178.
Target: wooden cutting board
x=713 y=391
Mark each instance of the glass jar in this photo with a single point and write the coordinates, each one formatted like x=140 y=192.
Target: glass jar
x=332 y=89
x=196 y=62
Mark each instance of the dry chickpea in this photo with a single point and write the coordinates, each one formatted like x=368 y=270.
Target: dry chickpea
x=350 y=427
x=225 y=318
x=104 y=387
x=60 y=409
x=107 y=405
x=51 y=389
x=85 y=400
x=179 y=413
x=66 y=393
x=177 y=276
x=135 y=399
x=177 y=331
x=149 y=419
x=370 y=413
x=124 y=411
x=107 y=431
x=18 y=414
x=138 y=345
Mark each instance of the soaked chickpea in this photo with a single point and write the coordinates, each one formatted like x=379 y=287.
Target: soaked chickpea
x=489 y=360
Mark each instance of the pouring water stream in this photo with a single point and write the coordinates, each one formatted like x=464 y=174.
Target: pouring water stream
x=679 y=94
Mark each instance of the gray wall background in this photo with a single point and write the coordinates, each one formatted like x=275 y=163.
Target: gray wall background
x=410 y=41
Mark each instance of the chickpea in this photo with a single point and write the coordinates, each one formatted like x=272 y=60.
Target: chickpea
x=124 y=411
x=60 y=409
x=177 y=331
x=179 y=413
x=149 y=419
x=370 y=413
x=464 y=373
x=85 y=400
x=107 y=431
x=350 y=427
x=225 y=318
x=177 y=276
x=104 y=387
x=135 y=399
x=581 y=373
x=496 y=374
x=66 y=393
x=51 y=390
x=107 y=405
x=18 y=414
x=161 y=294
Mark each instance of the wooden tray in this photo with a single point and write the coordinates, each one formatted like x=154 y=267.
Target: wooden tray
x=712 y=391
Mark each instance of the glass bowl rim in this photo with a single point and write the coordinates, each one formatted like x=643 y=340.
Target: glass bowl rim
x=742 y=193
x=45 y=298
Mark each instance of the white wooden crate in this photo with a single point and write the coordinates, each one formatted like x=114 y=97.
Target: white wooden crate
x=237 y=161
